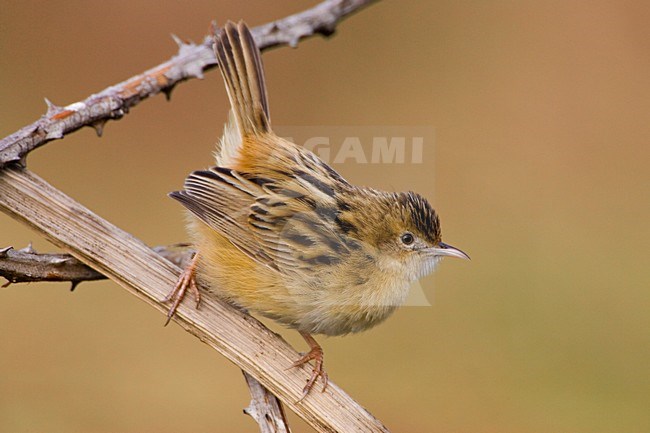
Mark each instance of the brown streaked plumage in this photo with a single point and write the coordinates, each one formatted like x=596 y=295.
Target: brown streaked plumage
x=279 y=232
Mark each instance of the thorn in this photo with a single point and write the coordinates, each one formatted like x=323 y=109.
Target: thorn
x=5 y=285
x=293 y=42
x=211 y=38
x=168 y=91
x=178 y=40
x=29 y=249
x=51 y=108
x=74 y=285
x=214 y=28
x=4 y=251
x=59 y=261
x=183 y=46
x=326 y=30
x=98 y=126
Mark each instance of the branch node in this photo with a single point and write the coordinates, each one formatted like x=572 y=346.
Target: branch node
x=54 y=132
x=326 y=30
x=265 y=408
x=196 y=72
x=293 y=42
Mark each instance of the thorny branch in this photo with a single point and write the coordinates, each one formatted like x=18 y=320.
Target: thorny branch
x=28 y=266
x=191 y=61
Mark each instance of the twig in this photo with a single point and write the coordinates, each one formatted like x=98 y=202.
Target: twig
x=27 y=266
x=191 y=61
x=265 y=408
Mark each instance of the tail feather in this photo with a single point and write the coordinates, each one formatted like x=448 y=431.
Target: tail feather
x=240 y=63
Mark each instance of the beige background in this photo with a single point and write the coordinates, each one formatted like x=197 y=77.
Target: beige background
x=541 y=112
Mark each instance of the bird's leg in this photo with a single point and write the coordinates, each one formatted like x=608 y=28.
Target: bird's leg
x=185 y=280
x=316 y=354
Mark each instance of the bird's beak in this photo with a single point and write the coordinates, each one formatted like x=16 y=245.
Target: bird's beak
x=447 y=250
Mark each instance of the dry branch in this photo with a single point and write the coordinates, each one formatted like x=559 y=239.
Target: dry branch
x=265 y=408
x=144 y=273
x=191 y=61
x=28 y=266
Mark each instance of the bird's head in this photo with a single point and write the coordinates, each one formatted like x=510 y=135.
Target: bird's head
x=407 y=236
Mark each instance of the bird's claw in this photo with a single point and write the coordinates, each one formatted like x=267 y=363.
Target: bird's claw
x=185 y=281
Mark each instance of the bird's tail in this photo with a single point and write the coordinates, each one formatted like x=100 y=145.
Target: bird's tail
x=240 y=63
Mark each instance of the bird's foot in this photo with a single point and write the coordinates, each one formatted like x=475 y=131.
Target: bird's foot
x=316 y=354
x=185 y=281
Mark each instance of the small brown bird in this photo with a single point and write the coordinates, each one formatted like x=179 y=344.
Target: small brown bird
x=279 y=232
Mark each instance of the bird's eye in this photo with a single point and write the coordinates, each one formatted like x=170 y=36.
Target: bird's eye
x=407 y=238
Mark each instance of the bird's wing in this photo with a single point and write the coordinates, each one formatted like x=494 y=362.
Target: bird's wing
x=280 y=225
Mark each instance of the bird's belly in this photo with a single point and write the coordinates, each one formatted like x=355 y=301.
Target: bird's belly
x=335 y=309
x=345 y=310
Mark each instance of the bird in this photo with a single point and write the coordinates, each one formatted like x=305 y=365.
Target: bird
x=279 y=232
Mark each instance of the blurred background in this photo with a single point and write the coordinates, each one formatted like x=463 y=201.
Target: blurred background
x=541 y=113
